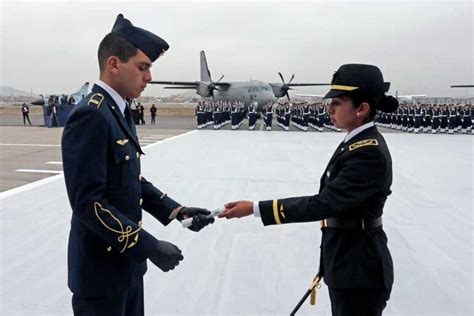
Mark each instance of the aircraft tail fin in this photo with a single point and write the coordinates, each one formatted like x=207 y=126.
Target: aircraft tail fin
x=83 y=91
x=205 y=74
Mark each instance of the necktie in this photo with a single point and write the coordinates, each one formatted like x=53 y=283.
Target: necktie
x=128 y=117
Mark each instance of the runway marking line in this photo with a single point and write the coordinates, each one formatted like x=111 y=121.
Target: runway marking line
x=32 y=185
x=31 y=145
x=162 y=135
x=39 y=171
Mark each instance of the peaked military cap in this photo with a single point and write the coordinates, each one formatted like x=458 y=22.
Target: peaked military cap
x=150 y=44
x=352 y=77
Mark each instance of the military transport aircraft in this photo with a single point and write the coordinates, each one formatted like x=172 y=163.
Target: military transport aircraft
x=247 y=91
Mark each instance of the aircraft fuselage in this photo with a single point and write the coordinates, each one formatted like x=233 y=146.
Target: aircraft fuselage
x=247 y=91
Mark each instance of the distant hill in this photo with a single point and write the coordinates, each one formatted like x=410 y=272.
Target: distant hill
x=9 y=94
x=9 y=91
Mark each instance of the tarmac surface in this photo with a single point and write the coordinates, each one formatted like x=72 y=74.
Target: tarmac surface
x=239 y=267
x=31 y=153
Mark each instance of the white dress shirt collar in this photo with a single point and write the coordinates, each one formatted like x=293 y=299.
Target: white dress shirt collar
x=357 y=130
x=117 y=98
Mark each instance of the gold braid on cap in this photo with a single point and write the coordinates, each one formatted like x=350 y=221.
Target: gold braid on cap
x=342 y=87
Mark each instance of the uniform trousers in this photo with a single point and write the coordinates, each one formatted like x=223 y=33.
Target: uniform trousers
x=130 y=303
x=358 y=302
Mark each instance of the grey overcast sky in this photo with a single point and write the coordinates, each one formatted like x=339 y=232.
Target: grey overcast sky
x=422 y=47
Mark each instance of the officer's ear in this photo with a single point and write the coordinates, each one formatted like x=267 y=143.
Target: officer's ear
x=112 y=64
x=363 y=109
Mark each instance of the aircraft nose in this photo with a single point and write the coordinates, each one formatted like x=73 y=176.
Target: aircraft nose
x=38 y=102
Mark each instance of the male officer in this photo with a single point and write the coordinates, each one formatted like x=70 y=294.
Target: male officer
x=199 y=115
x=268 y=116
x=252 y=116
x=108 y=247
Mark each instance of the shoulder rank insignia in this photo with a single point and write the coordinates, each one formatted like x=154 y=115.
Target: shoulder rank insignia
x=96 y=99
x=362 y=143
x=122 y=141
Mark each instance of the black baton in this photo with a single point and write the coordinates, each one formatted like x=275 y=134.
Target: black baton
x=312 y=287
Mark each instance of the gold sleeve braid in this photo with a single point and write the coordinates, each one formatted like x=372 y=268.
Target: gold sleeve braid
x=275 y=212
x=124 y=234
x=278 y=214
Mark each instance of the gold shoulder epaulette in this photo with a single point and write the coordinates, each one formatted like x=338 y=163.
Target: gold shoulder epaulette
x=362 y=143
x=96 y=99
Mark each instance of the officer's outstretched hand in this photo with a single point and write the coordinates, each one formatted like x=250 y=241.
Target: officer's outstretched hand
x=237 y=209
x=165 y=256
x=201 y=217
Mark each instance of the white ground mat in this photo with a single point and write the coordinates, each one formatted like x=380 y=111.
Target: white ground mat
x=238 y=267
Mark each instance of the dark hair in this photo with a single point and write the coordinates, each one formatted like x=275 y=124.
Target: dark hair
x=115 y=45
x=382 y=102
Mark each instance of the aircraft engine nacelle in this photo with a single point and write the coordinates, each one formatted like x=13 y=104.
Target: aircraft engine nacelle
x=204 y=90
x=277 y=90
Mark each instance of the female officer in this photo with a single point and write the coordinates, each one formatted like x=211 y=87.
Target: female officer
x=355 y=261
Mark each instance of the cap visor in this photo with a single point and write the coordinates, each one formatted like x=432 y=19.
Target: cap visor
x=335 y=93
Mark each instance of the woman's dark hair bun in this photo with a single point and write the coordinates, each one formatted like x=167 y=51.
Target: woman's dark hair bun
x=388 y=104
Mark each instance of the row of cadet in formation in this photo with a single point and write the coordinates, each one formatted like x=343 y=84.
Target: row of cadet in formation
x=301 y=116
x=427 y=118
x=414 y=118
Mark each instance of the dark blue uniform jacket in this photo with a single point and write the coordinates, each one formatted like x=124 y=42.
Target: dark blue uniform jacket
x=108 y=247
x=355 y=184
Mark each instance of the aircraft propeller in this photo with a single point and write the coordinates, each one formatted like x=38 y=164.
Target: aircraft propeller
x=212 y=86
x=286 y=86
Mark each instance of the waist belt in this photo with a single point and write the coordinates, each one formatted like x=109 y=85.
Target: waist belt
x=357 y=223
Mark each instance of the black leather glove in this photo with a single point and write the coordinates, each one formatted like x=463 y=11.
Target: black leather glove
x=199 y=215
x=165 y=256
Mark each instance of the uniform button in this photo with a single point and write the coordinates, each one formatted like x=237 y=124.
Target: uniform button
x=109 y=248
x=138 y=154
x=127 y=157
x=141 y=201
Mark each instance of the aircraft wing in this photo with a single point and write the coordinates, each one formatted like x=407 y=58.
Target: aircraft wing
x=463 y=86
x=411 y=96
x=307 y=84
x=310 y=95
x=190 y=84
x=180 y=87
x=181 y=83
